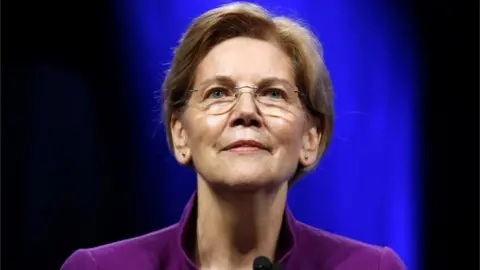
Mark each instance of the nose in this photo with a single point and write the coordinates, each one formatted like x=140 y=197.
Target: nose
x=245 y=111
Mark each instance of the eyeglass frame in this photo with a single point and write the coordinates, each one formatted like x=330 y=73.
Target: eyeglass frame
x=300 y=94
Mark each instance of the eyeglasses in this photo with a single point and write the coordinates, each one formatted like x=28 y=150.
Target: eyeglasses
x=270 y=100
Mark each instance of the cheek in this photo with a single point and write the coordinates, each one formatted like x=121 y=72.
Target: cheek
x=204 y=130
x=288 y=134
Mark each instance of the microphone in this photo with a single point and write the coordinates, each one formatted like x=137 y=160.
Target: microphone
x=264 y=263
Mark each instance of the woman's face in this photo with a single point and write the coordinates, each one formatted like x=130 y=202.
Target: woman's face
x=250 y=145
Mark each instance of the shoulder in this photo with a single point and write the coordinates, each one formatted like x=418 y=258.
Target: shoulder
x=134 y=253
x=339 y=252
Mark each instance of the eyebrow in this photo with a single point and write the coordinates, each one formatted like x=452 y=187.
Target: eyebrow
x=226 y=80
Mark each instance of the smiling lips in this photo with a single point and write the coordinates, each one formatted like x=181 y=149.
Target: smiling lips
x=245 y=146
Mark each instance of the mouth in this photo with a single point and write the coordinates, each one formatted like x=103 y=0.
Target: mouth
x=245 y=147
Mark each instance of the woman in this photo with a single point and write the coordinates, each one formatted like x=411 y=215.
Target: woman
x=248 y=106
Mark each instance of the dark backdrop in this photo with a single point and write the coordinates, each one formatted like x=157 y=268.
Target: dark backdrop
x=85 y=133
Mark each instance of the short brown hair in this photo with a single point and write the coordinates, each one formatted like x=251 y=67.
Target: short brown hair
x=250 y=20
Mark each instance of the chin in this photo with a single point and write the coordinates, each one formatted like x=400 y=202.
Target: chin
x=247 y=181
x=243 y=175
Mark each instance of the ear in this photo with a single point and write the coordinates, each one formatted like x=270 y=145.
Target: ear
x=310 y=145
x=180 y=141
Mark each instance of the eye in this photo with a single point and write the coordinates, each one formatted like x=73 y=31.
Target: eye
x=274 y=93
x=216 y=93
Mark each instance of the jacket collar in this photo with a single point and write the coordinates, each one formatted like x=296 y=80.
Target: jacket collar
x=186 y=235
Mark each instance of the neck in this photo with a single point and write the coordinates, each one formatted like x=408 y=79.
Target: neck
x=235 y=227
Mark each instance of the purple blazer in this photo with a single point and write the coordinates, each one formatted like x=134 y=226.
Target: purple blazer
x=300 y=247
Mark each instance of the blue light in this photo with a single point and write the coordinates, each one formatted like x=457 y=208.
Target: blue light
x=366 y=187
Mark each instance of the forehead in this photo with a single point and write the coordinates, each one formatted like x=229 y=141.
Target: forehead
x=245 y=60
